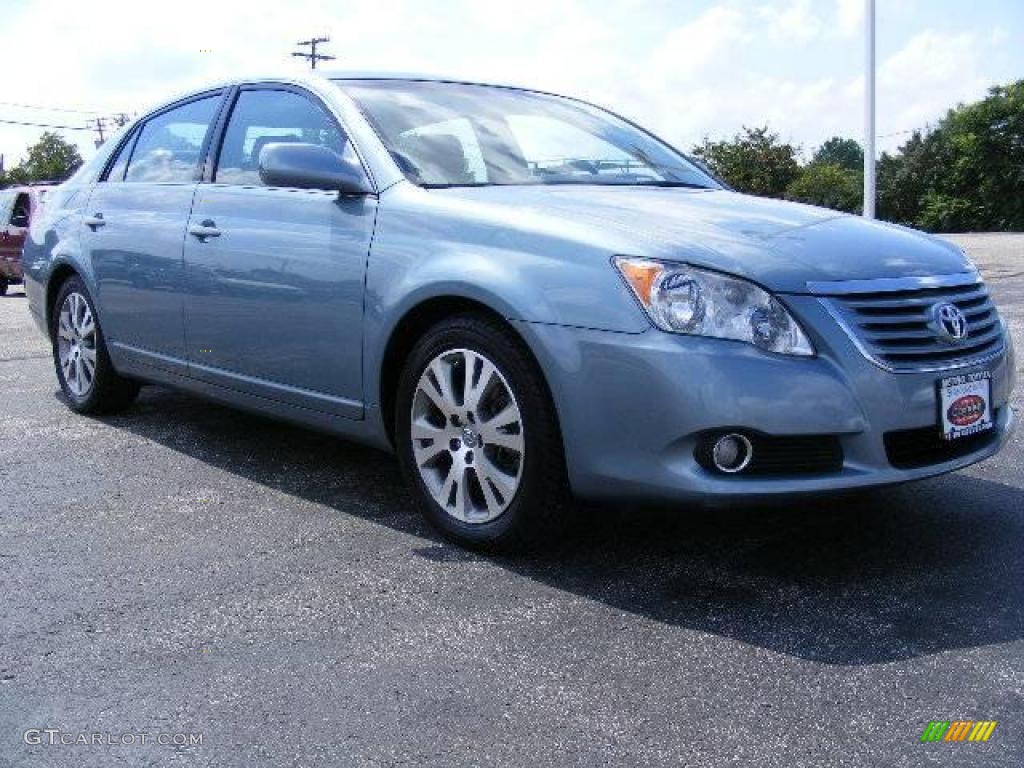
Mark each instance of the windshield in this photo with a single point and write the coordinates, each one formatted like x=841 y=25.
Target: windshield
x=454 y=135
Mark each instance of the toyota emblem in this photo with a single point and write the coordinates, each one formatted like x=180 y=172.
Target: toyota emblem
x=949 y=322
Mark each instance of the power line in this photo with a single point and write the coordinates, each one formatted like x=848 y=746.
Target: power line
x=50 y=109
x=49 y=125
x=313 y=57
x=898 y=133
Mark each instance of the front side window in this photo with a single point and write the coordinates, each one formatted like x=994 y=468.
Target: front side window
x=262 y=117
x=170 y=144
x=455 y=134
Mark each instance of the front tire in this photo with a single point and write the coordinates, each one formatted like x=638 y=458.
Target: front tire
x=3 y=286
x=84 y=371
x=478 y=438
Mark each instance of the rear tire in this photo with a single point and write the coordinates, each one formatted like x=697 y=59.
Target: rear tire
x=84 y=371
x=487 y=466
x=3 y=287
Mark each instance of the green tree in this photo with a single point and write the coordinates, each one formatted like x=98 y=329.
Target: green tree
x=966 y=173
x=900 y=188
x=753 y=161
x=49 y=159
x=846 y=153
x=828 y=185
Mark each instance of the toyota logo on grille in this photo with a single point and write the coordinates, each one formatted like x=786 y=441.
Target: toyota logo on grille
x=949 y=322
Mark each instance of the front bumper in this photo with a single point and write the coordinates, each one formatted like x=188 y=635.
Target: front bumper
x=632 y=408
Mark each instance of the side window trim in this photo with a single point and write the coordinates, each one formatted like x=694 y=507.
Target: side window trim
x=217 y=146
x=215 y=141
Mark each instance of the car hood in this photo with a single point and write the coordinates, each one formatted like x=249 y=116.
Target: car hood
x=781 y=245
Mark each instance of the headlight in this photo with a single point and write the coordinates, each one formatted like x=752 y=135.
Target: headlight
x=684 y=299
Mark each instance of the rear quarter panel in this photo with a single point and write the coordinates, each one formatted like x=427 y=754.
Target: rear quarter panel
x=54 y=240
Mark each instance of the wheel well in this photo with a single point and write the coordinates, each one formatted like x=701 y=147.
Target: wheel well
x=410 y=330
x=57 y=279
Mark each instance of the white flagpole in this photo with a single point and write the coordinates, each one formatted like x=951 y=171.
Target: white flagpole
x=869 y=109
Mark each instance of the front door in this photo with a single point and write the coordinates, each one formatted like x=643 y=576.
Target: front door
x=134 y=230
x=274 y=302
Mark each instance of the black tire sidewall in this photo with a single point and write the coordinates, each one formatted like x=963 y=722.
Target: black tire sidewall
x=104 y=375
x=540 y=486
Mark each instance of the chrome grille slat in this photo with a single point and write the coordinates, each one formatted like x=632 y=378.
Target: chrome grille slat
x=897 y=348
x=893 y=327
x=908 y=299
x=976 y=330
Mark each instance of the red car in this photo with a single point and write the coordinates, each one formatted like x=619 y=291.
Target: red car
x=18 y=206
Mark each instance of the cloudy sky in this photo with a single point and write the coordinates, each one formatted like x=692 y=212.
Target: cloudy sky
x=685 y=68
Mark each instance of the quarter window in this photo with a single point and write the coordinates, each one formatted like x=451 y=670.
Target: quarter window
x=263 y=117
x=120 y=163
x=169 y=147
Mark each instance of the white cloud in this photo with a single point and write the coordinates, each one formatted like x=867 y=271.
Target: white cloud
x=699 y=44
x=796 y=22
x=686 y=73
x=850 y=16
x=930 y=74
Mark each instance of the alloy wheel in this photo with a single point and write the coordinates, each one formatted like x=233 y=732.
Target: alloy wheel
x=467 y=436
x=76 y=344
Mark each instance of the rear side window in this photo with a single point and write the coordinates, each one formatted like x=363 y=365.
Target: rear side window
x=262 y=117
x=169 y=146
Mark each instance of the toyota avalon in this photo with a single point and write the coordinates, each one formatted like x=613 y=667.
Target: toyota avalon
x=526 y=297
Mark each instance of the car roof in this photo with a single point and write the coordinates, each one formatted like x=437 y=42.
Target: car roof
x=422 y=76
x=323 y=78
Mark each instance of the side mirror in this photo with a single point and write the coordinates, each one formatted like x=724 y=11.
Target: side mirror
x=311 y=166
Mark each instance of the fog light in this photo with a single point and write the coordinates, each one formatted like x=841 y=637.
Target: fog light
x=732 y=453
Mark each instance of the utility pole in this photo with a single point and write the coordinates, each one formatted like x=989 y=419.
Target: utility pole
x=313 y=56
x=869 y=109
x=100 y=123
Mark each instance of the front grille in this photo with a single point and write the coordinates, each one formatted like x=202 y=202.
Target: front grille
x=895 y=327
x=912 y=448
x=781 y=455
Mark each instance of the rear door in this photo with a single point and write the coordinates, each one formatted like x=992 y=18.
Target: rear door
x=275 y=276
x=134 y=229
x=17 y=226
x=7 y=248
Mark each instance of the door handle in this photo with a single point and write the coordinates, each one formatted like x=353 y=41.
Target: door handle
x=206 y=228
x=94 y=222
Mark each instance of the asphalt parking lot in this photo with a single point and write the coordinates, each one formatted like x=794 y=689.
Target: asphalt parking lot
x=186 y=569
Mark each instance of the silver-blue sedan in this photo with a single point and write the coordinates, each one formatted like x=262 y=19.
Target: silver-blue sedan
x=524 y=296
